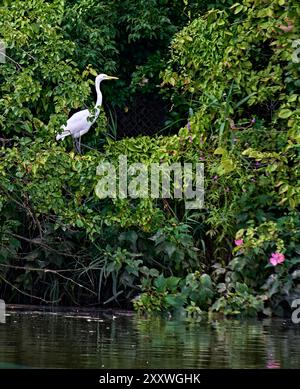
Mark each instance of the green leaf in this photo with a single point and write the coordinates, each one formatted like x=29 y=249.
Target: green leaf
x=238 y=9
x=220 y=151
x=172 y=282
x=160 y=283
x=206 y=281
x=175 y=300
x=285 y=113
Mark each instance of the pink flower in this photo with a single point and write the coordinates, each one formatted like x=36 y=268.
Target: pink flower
x=276 y=258
x=239 y=242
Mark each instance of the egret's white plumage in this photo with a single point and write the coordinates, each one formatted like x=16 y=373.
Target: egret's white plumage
x=80 y=123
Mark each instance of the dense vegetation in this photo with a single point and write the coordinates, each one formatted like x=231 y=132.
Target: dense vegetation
x=231 y=73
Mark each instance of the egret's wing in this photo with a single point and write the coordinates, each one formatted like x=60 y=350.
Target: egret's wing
x=78 y=123
x=78 y=116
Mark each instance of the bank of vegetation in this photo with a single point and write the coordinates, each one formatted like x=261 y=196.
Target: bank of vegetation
x=229 y=73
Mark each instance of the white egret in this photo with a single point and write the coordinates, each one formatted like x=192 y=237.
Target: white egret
x=80 y=123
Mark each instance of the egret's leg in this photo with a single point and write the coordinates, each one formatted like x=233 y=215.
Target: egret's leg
x=77 y=145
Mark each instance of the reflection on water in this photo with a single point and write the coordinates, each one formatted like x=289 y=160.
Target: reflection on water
x=60 y=340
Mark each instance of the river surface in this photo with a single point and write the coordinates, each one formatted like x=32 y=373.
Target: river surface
x=42 y=339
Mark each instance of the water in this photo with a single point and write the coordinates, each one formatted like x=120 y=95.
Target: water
x=123 y=340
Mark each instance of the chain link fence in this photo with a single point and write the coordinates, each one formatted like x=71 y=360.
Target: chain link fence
x=145 y=115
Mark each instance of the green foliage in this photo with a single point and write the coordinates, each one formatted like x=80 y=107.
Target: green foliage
x=40 y=82
x=129 y=38
x=229 y=65
x=230 y=74
x=191 y=294
x=239 y=301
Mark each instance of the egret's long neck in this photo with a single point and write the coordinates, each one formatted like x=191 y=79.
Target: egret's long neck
x=99 y=97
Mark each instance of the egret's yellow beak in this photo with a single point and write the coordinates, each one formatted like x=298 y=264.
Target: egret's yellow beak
x=111 y=78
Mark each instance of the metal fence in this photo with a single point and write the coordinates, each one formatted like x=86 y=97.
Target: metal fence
x=145 y=115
